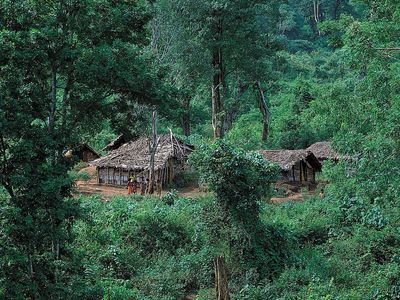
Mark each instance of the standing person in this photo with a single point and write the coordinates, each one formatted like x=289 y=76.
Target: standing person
x=130 y=186
x=134 y=187
x=322 y=194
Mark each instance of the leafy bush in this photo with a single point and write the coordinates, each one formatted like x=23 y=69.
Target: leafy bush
x=170 y=197
x=239 y=179
x=186 y=178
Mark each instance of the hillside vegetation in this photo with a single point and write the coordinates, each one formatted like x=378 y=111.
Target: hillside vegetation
x=229 y=77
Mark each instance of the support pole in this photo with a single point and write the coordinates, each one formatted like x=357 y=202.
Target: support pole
x=153 y=150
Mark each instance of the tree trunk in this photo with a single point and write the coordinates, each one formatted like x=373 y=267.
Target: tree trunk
x=65 y=103
x=230 y=115
x=218 y=83
x=186 y=116
x=336 y=10
x=6 y=168
x=262 y=103
x=217 y=103
x=153 y=149
x=53 y=98
x=221 y=279
x=316 y=15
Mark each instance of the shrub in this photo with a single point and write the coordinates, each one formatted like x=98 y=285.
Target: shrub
x=170 y=197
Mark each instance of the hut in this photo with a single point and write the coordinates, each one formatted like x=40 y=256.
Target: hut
x=323 y=151
x=297 y=166
x=133 y=160
x=86 y=153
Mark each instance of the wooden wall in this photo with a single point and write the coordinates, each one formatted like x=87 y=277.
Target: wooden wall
x=300 y=172
x=120 y=177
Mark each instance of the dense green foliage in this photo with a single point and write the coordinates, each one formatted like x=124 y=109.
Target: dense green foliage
x=242 y=183
x=87 y=71
x=63 y=65
x=142 y=248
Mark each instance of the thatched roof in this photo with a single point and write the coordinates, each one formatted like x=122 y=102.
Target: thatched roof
x=323 y=151
x=115 y=144
x=135 y=155
x=286 y=159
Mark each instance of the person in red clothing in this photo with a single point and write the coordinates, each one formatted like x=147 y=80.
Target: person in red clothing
x=131 y=187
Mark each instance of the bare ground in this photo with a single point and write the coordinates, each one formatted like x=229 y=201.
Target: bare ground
x=92 y=188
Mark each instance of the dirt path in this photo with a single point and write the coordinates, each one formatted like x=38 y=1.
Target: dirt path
x=298 y=197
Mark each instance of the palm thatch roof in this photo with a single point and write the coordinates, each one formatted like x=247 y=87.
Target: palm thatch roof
x=135 y=155
x=323 y=150
x=286 y=159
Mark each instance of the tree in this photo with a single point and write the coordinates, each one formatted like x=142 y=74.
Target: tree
x=220 y=44
x=241 y=181
x=368 y=131
x=61 y=65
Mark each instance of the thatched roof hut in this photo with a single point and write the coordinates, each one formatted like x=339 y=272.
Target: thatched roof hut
x=323 y=151
x=296 y=165
x=133 y=159
x=286 y=159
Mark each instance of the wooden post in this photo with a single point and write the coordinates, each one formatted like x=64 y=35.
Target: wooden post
x=305 y=172
x=164 y=174
x=221 y=279
x=301 y=172
x=152 y=150
x=170 y=170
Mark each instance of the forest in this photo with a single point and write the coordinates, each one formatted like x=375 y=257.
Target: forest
x=230 y=77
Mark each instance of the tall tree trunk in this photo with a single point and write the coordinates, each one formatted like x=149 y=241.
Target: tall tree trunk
x=230 y=115
x=316 y=15
x=153 y=149
x=65 y=103
x=336 y=9
x=217 y=103
x=221 y=279
x=53 y=99
x=263 y=105
x=218 y=83
x=6 y=168
x=186 y=116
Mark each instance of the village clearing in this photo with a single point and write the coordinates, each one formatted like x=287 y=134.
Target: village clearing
x=91 y=187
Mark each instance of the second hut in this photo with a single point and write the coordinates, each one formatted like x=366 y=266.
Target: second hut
x=297 y=166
